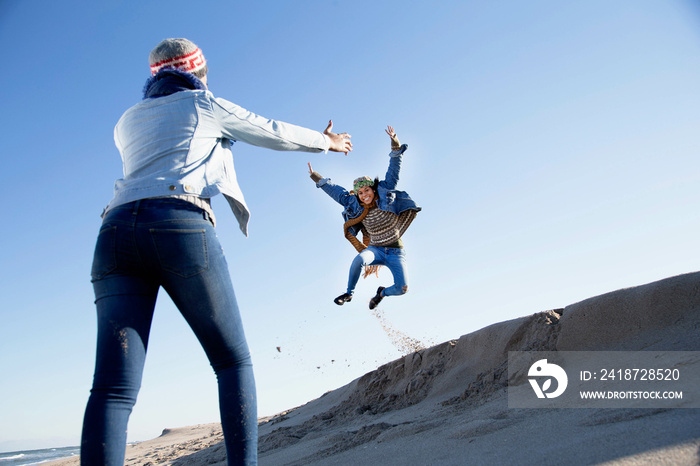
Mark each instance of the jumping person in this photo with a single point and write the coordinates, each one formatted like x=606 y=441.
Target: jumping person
x=383 y=215
x=158 y=231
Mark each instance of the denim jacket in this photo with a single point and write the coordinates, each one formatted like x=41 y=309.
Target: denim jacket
x=181 y=144
x=389 y=199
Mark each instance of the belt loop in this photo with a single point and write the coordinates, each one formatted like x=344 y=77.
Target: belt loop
x=137 y=204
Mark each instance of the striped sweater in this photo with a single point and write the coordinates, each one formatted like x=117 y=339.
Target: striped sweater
x=386 y=228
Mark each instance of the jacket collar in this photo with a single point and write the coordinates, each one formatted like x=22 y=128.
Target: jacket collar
x=170 y=81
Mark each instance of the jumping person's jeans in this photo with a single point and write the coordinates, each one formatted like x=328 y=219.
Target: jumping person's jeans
x=393 y=258
x=142 y=246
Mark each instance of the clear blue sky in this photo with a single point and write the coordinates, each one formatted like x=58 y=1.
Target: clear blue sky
x=553 y=147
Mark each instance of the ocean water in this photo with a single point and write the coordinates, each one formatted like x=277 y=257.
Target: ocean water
x=17 y=458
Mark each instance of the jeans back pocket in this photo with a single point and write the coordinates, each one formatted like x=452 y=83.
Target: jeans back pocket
x=182 y=252
x=105 y=258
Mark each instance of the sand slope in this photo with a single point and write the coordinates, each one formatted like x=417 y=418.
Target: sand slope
x=447 y=405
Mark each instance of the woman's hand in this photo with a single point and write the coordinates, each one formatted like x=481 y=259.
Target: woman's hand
x=395 y=144
x=339 y=142
x=311 y=170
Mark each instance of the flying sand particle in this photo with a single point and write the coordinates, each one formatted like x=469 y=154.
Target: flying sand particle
x=402 y=342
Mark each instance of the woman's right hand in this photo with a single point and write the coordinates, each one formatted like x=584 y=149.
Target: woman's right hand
x=339 y=142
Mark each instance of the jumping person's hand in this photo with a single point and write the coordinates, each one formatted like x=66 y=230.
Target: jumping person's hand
x=339 y=142
x=311 y=170
x=395 y=144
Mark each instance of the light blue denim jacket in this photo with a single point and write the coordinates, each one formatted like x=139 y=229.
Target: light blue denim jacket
x=389 y=198
x=181 y=144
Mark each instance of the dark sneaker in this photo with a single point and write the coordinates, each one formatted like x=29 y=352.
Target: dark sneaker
x=342 y=299
x=374 y=302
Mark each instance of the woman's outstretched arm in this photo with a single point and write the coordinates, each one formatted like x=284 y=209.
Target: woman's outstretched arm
x=392 y=174
x=337 y=193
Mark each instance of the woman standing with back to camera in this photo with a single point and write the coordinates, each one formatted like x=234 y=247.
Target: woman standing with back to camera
x=158 y=230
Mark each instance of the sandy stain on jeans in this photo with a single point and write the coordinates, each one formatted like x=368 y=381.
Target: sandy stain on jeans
x=124 y=341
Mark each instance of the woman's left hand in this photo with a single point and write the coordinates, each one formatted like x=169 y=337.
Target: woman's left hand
x=395 y=144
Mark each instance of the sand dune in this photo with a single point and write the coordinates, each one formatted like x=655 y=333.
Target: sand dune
x=448 y=404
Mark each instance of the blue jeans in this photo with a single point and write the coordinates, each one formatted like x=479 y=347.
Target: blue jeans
x=393 y=258
x=142 y=246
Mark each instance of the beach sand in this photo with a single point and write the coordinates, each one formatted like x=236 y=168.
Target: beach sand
x=448 y=404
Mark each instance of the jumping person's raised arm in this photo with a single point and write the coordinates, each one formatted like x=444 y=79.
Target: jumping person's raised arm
x=395 y=144
x=392 y=174
x=315 y=176
x=337 y=193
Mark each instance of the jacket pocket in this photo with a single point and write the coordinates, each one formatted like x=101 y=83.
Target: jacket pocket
x=105 y=258
x=182 y=252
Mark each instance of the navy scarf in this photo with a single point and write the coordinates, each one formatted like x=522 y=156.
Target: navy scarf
x=170 y=81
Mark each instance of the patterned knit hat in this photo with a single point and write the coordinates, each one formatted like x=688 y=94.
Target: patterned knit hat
x=180 y=54
x=362 y=182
